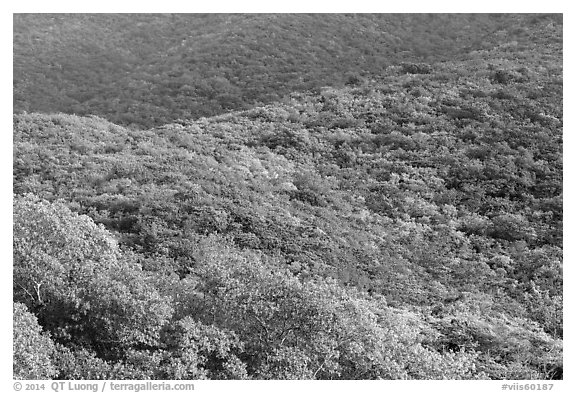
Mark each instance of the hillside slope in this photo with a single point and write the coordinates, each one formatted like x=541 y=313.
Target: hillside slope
x=408 y=226
x=148 y=70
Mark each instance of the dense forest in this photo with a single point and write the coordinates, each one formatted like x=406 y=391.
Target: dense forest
x=149 y=70
x=401 y=221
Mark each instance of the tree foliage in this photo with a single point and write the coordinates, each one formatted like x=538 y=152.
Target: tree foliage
x=33 y=349
x=403 y=226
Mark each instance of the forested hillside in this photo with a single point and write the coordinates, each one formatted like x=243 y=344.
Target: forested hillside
x=149 y=70
x=407 y=225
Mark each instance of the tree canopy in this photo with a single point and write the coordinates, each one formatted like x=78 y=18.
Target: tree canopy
x=406 y=224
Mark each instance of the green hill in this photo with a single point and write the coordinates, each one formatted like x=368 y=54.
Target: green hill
x=404 y=226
